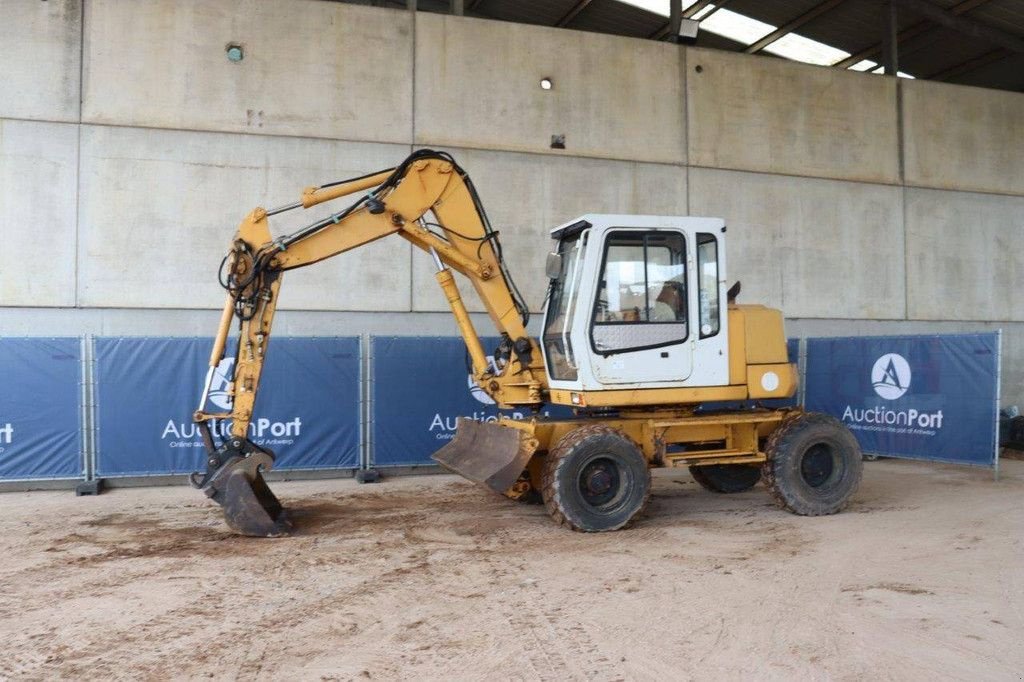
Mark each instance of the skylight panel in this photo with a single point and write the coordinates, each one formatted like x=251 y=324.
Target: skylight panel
x=747 y=31
x=735 y=26
x=798 y=48
x=863 y=65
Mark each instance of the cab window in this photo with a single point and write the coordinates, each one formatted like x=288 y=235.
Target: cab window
x=641 y=300
x=707 y=267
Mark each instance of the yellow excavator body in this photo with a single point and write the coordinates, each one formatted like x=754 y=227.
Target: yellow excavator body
x=641 y=339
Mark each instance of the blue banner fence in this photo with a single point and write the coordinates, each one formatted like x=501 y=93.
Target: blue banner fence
x=916 y=397
x=42 y=409
x=82 y=408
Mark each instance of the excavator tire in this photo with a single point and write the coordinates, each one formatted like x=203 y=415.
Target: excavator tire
x=726 y=478
x=595 y=479
x=814 y=464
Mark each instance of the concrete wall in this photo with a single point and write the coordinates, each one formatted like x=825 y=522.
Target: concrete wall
x=478 y=85
x=40 y=59
x=313 y=69
x=777 y=116
x=130 y=147
x=963 y=138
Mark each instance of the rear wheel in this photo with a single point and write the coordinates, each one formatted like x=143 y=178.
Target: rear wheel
x=726 y=478
x=814 y=464
x=595 y=479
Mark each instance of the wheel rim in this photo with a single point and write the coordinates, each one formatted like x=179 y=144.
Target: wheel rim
x=820 y=465
x=600 y=482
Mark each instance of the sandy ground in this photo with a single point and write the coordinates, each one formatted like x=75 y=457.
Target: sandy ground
x=433 y=578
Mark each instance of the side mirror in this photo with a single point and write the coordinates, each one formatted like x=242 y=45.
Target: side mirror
x=553 y=266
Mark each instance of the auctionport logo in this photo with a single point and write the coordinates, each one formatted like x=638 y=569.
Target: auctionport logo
x=891 y=376
x=442 y=426
x=262 y=431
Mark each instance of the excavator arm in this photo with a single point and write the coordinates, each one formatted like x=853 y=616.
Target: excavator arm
x=429 y=201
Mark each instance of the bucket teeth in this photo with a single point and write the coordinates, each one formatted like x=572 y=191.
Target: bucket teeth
x=488 y=453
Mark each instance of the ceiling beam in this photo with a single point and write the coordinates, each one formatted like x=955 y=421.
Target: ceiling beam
x=906 y=34
x=793 y=25
x=890 y=41
x=995 y=55
x=688 y=13
x=965 y=25
x=571 y=14
x=473 y=4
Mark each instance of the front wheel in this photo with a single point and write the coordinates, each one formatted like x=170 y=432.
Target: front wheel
x=595 y=479
x=814 y=464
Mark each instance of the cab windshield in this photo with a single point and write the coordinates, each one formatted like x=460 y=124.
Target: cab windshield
x=562 y=294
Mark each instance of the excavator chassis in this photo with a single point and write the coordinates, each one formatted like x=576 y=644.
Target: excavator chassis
x=592 y=472
x=234 y=480
x=508 y=455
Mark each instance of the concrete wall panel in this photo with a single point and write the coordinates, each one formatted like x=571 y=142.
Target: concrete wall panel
x=526 y=195
x=314 y=69
x=159 y=209
x=815 y=248
x=964 y=256
x=958 y=137
x=38 y=184
x=478 y=85
x=40 y=54
x=773 y=115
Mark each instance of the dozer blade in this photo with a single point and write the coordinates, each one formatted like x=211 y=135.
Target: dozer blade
x=487 y=453
x=237 y=485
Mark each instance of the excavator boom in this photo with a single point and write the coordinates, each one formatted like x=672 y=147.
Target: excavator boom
x=429 y=201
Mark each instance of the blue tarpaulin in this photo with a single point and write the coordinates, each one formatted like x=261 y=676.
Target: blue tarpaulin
x=421 y=385
x=307 y=410
x=919 y=397
x=40 y=408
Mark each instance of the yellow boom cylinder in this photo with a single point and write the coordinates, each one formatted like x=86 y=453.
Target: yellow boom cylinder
x=451 y=292
x=222 y=332
x=313 y=195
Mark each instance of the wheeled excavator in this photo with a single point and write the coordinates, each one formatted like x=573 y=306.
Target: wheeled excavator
x=640 y=337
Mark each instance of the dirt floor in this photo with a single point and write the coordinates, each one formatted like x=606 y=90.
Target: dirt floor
x=432 y=578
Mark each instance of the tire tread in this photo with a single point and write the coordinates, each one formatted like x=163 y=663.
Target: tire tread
x=556 y=459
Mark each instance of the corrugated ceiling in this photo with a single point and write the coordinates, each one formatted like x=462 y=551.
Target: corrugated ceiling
x=968 y=53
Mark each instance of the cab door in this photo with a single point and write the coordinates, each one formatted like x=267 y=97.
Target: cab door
x=640 y=325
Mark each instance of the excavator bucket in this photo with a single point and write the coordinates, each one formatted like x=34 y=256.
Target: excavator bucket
x=237 y=485
x=487 y=453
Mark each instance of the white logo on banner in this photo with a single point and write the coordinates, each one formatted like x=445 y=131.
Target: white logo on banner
x=219 y=395
x=891 y=376
x=474 y=388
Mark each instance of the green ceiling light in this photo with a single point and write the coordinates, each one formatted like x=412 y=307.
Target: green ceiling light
x=235 y=52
